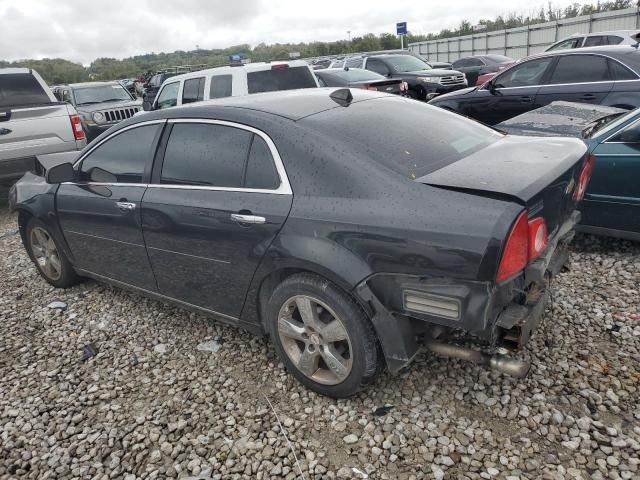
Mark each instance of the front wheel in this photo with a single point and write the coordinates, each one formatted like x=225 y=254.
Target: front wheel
x=322 y=336
x=48 y=257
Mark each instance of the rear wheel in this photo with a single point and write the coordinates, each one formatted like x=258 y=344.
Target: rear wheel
x=48 y=257
x=322 y=336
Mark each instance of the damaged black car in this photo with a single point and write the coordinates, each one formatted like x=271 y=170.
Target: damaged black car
x=349 y=226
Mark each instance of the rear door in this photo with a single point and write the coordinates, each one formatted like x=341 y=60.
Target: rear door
x=577 y=78
x=215 y=204
x=613 y=197
x=100 y=213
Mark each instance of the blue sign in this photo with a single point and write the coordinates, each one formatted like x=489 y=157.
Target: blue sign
x=236 y=57
x=401 y=28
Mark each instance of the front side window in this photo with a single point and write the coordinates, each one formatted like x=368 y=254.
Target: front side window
x=168 y=96
x=580 y=69
x=205 y=154
x=565 y=44
x=526 y=74
x=122 y=158
x=280 y=78
x=193 y=90
x=631 y=134
x=220 y=86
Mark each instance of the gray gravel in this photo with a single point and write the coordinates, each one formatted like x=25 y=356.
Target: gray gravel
x=146 y=402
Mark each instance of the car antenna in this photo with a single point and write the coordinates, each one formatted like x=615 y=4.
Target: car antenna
x=342 y=97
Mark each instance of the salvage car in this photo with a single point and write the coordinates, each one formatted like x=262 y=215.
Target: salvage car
x=612 y=201
x=100 y=104
x=359 y=78
x=416 y=224
x=603 y=76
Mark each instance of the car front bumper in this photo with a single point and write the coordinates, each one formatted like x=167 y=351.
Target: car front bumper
x=502 y=315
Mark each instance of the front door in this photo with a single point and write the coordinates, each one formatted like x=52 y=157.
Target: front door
x=612 y=200
x=510 y=93
x=100 y=213
x=577 y=78
x=214 y=206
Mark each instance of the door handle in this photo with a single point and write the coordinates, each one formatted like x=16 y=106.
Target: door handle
x=4 y=131
x=588 y=96
x=247 y=219
x=525 y=98
x=126 y=206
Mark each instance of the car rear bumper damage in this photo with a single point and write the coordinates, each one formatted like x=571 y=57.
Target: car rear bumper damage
x=442 y=315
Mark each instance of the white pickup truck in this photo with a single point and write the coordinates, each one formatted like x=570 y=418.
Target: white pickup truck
x=32 y=122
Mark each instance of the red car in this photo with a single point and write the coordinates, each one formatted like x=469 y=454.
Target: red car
x=482 y=79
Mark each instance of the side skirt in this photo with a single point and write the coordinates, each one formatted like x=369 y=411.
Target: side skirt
x=220 y=317
x=609 y=232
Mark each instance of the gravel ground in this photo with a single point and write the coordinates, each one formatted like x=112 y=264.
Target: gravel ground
x=149 y=404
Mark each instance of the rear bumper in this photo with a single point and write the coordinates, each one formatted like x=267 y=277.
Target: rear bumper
x=504 y=315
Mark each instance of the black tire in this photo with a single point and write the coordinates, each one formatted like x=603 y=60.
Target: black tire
x=363 y=349
x=66 y=275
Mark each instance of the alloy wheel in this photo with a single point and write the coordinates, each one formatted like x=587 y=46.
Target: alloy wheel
x=315 y=340
x=45 y=253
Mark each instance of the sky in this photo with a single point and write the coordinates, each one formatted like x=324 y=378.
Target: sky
x=83 y=30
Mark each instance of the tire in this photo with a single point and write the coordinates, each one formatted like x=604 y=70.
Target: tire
x=315 y=341
x=48 y=257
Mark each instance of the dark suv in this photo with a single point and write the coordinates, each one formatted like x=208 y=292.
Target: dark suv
x=600 y=75
x=424 y=82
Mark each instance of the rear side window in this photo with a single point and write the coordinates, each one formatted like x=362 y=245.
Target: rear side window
x=261 y=171
x=193 y=90
x=220 y=86
x=204 y=154
x=122 y=158
x=596 y=41
x=377 y=66
x=19 y=89
x=614 y=40
x=355 y=62
x=580 y=69
x=276 y=79
x=620 y=72
x=631 y=134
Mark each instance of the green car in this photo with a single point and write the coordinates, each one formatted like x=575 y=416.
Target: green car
x=611 y=205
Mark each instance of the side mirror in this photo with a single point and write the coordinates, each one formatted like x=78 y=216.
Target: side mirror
x=60 y=173
x=146 y=106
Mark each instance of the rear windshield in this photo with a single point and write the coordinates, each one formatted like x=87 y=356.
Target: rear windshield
x=21 y=89
x=280 y=79
x=411 y=138
x=357 y=75
x=499 y=59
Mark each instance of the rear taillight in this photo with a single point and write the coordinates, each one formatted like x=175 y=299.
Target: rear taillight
x=76 y=126
x=585 y=176
x=404 y=86
x=371 y=87
x=279 y=66
x=525 y=242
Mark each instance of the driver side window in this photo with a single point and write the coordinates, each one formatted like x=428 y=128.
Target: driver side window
x=168 y=96
x=524 y=75
x=631 y=134
x=122 y=158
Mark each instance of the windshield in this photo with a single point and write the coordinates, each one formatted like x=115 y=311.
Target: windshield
x=101 y=93
x=407 y=63
x=357 y=75
x=20 y=89
x=608 y=124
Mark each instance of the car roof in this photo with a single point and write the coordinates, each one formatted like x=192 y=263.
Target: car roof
x=247 y=67
x=619 y=52
x=92 y=84
x=595 y=34
x=291 y=104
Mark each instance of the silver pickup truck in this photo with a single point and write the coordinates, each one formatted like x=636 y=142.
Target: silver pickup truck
x=32 y=122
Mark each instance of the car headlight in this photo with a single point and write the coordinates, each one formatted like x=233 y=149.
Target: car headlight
x=97 y=117
x=428 y=79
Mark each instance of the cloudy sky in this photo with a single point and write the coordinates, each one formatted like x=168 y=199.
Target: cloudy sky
x=82 y=30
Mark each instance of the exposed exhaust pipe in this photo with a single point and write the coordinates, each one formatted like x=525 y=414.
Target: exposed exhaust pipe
x=502 y=363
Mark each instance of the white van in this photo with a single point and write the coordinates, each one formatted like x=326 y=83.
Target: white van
x=233 y=81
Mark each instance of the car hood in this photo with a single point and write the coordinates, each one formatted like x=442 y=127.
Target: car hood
x=98 y=107
x=568 y=119
x=434 y=72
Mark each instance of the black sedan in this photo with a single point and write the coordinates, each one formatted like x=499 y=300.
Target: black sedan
x=477 y=65
x=359 y=78
x=416 y=224
x=603 y=75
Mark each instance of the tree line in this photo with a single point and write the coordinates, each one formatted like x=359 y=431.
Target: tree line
x=58 y=70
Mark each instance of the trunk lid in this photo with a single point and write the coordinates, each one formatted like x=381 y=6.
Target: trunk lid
x=539 y=173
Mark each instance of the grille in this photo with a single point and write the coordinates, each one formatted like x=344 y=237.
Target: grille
x=120 y=114
x=452 y=80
